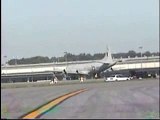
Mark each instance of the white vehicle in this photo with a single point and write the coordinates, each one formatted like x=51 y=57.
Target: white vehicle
x=117 y=77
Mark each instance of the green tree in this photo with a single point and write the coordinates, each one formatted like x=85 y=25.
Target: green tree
x=131 y=53
x=147 y=53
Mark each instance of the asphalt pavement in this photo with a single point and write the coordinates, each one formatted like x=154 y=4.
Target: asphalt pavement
x=123 y=99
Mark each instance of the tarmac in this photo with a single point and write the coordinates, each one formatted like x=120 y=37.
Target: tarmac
x=122 y=99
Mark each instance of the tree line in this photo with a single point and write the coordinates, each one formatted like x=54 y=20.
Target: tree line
x=80 y=57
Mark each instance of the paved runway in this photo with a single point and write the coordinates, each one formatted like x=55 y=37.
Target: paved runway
x=125 y=99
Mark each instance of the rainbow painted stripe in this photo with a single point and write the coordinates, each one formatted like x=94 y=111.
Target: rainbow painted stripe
x=50 y=105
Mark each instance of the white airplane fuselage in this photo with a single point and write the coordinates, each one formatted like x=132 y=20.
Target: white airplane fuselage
x=91 y=66
x=85 y=67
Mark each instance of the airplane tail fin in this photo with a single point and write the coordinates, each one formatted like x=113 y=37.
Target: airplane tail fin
x=108 y=57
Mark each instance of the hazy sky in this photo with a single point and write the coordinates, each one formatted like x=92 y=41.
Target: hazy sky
x=51 y=27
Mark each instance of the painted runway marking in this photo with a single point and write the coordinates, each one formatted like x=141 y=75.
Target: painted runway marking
x=48 y=106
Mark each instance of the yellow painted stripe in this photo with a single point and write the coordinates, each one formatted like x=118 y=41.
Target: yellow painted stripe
x=51 y=104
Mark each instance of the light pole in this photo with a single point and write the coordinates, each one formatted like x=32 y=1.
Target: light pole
x=5 y=57
x=66 y=63
x=15 y=60
x=66 y=56
x=141 y=55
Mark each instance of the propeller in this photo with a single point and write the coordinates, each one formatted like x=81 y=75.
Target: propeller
x=65 y=72
x=77 y=72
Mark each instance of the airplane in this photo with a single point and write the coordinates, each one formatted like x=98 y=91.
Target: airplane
x=89 y=68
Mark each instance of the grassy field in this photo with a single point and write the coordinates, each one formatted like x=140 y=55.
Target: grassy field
x=41 y=84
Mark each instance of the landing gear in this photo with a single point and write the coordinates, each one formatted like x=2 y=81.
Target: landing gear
x=96 y=75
